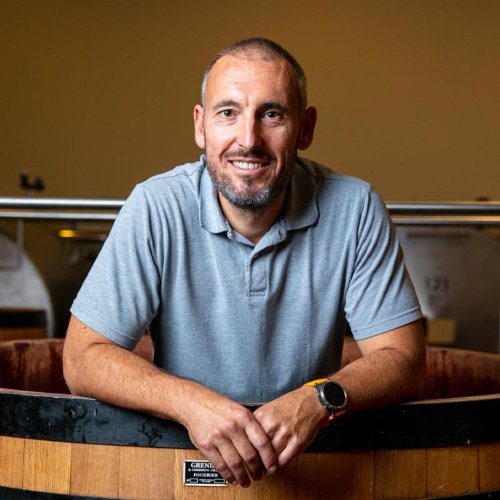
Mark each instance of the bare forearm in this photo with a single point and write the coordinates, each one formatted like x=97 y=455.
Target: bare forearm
x=387 y=375
x=109 y=373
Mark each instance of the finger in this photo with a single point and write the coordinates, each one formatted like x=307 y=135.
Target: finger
x=263 y=445
x=290 y=451
x=219 y=463
x=233 y=464
x=251 y=457
x=279 y=443
x=294 y=446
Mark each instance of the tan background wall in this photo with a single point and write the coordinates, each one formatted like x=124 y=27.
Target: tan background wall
x=96 y=95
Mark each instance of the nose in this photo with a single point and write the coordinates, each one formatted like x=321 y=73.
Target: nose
x=249 y=134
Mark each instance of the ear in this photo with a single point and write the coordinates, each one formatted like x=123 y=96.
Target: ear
x=199 y=130
x=306 y=132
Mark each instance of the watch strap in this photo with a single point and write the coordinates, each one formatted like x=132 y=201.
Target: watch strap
x=312 y=383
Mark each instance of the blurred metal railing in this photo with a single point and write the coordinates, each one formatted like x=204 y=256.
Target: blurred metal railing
x=55 y=209
x=446 y=213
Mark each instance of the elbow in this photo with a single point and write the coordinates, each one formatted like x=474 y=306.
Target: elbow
x=73 y=364
x=70 y=374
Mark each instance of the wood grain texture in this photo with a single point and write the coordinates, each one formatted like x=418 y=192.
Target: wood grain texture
x=400 y=473
x=47 y=466
x=146 y=473
x=94 y=470
x=452 y=471
x=11 y=461
x=345 y=475
x=156 y=473
x=489 y=467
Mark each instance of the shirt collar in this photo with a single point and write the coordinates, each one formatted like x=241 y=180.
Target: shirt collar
x=211 y=217
x=301 y=207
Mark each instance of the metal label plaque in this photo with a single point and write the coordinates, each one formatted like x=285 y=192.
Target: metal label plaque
x=201 y=473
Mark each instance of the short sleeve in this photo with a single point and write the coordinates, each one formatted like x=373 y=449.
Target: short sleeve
x=120 y=295
x=380 y=295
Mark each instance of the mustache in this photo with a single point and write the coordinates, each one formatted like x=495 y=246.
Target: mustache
x=253 y=153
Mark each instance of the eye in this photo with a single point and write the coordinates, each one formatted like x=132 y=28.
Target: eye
x=227 y=113
x=273 y=116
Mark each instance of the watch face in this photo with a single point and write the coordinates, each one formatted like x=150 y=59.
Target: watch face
x=335 y=394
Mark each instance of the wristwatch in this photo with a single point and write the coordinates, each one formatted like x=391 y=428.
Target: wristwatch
x=331 y=395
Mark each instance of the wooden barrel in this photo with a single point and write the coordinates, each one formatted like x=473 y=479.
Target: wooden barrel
x=20 y=323
x=68 y=446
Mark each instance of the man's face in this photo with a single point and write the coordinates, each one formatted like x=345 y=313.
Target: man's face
x=250 y=128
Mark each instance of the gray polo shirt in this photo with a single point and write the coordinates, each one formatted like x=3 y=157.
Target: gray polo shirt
x=249 y=321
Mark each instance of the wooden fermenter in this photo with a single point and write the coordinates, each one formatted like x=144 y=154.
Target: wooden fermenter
x=445 y=445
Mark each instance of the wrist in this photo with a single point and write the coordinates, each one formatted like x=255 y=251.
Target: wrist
x=318 y=412
x=331 y=395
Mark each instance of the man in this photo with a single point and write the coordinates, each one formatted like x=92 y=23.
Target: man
x=246 y=267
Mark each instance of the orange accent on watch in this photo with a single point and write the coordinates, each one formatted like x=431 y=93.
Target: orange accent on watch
x=312 y=383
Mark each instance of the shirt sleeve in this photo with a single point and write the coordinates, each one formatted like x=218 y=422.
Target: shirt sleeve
x=380 y=295
x=120 y=295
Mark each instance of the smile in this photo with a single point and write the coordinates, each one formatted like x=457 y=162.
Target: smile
x=248 y=165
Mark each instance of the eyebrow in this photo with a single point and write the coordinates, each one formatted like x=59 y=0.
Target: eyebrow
x=274 y=105
x=225 y=104
x=264 y=106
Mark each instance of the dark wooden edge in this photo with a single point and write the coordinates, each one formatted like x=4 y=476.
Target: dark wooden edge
x=16 y=494
x=426 y=424
x=7 y=493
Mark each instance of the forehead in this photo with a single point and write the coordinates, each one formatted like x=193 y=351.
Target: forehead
x=252 y=77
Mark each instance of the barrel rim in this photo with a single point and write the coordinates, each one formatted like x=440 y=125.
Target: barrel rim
x=417 y=424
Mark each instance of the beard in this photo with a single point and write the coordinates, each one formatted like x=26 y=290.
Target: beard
x=251 y=198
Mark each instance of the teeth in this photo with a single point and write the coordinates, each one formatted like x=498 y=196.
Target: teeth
x=245 y=165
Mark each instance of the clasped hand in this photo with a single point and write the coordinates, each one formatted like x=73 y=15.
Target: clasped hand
x=243 y=445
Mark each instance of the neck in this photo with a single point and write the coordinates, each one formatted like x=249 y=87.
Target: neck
x=251 y=223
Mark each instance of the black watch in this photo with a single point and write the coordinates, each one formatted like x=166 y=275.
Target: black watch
x=332 y=396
